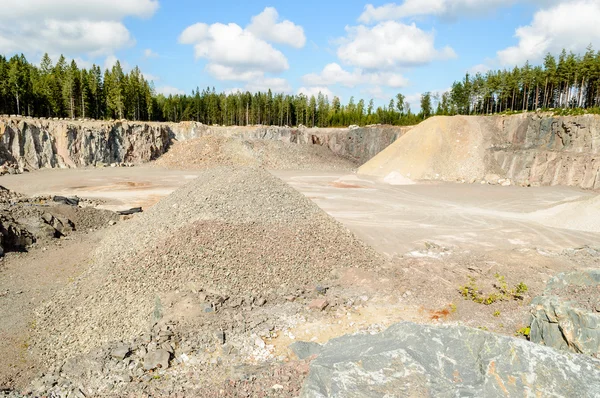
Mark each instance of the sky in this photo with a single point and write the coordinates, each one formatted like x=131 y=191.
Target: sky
x=346 y=48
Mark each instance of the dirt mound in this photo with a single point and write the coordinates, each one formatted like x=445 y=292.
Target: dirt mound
x=444 y=148
x=213 y=151
x=230 y=233
x=582 y=215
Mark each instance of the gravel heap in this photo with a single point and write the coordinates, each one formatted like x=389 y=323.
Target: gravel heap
x=232 y=231
x=213 y=151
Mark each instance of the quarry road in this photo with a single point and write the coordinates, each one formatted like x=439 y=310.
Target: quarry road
x=397 y=219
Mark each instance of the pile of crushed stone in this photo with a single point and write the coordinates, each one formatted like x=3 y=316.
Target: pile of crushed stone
x=232 y=232
x=210 y=151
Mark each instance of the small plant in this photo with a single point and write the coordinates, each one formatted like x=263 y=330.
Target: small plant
x=472 y=292
x=496 y=313
x=453 y=308
x=524 y=331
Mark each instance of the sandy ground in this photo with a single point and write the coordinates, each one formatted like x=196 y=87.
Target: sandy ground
x=478 y=231
x=396 y=219
x=120 y=188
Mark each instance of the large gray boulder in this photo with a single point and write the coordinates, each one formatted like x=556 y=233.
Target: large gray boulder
x=567 y=315
x=409 y=360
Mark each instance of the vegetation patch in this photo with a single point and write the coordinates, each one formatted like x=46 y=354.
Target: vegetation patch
x=501 y=291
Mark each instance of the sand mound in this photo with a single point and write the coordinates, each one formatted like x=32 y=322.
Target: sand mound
x=232 y=231
x=210 y=151
x=444 y=148
x=583 y=215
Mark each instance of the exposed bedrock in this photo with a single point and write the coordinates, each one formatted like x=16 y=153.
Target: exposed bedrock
x=536 y=149
x=38 y=143
x=550 y=150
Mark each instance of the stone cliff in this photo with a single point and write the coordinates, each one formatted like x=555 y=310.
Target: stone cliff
x=38 y=143
x=548 y=150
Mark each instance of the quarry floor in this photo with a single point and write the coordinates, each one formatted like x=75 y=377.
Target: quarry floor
x=393 y=219
x=435 y=235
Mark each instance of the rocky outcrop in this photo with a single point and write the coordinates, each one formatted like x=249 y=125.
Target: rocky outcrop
x=37 y=143
x=567 y=315
x=548 y=150
x=446 y=361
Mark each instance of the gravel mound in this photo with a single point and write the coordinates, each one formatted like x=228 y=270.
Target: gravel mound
x=230 y=232
x=582 y=215
x=213 y=151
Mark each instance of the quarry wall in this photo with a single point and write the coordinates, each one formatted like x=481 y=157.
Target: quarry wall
x=39 y=143
x=527 y=149
x=549 y=150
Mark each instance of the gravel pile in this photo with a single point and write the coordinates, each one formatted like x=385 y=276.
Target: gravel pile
x=213 y=151
x=231 y=232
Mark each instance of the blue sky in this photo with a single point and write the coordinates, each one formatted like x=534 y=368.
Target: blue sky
x=365 y=49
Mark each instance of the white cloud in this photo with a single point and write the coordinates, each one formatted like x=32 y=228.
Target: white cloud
x=232 y=52
x=150 y=77
x=389 y=45
x=571 y=25
x=111 y=61
x=148 y=53
x=275 y=84
x=266 y=26
x=74 y=9
x=310 y=91
x=440 y=8
x=376 y=92
x=169 y=90
x=72 y=27
x=334 y=74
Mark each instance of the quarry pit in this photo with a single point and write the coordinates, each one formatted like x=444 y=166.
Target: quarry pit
x=300 y=235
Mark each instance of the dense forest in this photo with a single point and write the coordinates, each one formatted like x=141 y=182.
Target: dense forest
x=569 y=82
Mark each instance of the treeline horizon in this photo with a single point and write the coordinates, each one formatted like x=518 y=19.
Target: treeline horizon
x=64 y=90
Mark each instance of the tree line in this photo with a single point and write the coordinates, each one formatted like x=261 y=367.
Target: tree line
x=568 y=81
x=65 y=90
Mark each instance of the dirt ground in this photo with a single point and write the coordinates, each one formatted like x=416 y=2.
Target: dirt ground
x=441 y=240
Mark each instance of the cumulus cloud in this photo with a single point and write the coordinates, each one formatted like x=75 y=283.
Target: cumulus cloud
x=334 y=74
x=232 y=52
x=571 y=25
x=266 y=26
x=169 y=90
x=310 y=91
x=390 y=45
x=73 y=27
x=440 y=8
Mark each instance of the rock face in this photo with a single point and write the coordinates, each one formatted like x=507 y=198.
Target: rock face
x=567 y=315
x=448 y=361
x=527 y=149
x=35 y=143
x=550 y=150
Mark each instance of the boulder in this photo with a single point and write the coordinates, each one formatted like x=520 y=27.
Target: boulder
x=157 y=359
x=566 y=316
x=447 y=361
x=13 y=235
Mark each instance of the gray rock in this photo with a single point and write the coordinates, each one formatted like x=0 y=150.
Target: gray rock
x=157 y=359
x=120 y=352
x=305 y=349
x=447 y=361
x=562 y=324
